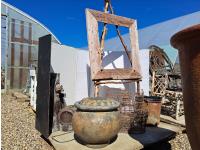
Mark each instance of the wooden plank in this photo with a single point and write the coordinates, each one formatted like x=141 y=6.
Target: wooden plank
x=113 y=82
x=19 y=95
x=134 y=47
x=96 y=90
x=170 y=120
x=110 y=18
x=117 y=74
x=93 y=43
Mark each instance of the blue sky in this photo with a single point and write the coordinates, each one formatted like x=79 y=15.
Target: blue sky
x=66 y=18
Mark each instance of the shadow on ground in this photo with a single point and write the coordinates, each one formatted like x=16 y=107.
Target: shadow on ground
x=155 y=138
x=159 y=146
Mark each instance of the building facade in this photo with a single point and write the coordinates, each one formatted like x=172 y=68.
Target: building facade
x=19 y=45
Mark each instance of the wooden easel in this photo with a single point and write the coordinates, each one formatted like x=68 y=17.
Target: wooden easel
x=96 y=46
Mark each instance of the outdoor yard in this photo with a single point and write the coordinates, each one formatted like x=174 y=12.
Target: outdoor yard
x=18 y=126
x=19 y=133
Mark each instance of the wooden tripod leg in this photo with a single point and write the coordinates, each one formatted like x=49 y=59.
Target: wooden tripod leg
x=96 y=90
x=138 y=87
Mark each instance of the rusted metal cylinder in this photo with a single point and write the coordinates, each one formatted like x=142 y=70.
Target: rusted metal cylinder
x=96 y=121
x=187 y=42
x=153 y=105
x=65 y=118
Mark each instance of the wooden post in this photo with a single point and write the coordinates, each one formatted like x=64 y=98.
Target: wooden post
x=96 y=89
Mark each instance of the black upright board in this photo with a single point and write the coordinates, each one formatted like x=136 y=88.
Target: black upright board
x=43 y=102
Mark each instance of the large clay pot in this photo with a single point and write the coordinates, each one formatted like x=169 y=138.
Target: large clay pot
x=96 y=121
x=188 y=43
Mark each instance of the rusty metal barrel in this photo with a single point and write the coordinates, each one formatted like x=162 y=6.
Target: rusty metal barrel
x=154 y=108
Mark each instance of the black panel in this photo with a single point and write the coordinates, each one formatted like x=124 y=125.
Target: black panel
x=43 y=111
x=53 y=77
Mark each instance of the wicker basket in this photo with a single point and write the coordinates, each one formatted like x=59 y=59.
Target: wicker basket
x=129 y=104
x=138 y=121
x=133 y=116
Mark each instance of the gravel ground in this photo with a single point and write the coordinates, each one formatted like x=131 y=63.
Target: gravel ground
x=19 y=133
x=18 y=126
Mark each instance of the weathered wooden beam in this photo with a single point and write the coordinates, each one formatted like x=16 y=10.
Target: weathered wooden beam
x=113 y=82
x=96 y=90
x=117 y=74
x=110 y=18
x=134 y=47
x=93 y=43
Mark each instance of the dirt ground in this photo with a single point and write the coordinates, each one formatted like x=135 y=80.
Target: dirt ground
x=18 y=126
x=19 y=133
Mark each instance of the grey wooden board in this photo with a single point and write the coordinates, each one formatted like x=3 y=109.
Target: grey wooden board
x=180 y=121
x=65 y=141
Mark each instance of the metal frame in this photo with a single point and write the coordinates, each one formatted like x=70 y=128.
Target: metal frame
x=30 y=23
x=31 y=18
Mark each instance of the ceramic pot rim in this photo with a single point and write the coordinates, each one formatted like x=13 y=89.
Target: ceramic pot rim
x=153 y=99
x=112 y=106
x=185 y=34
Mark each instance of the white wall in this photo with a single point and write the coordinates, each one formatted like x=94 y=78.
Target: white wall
x=63 y=61
x=74 y=69
x=144 y=63
x=82 y=78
